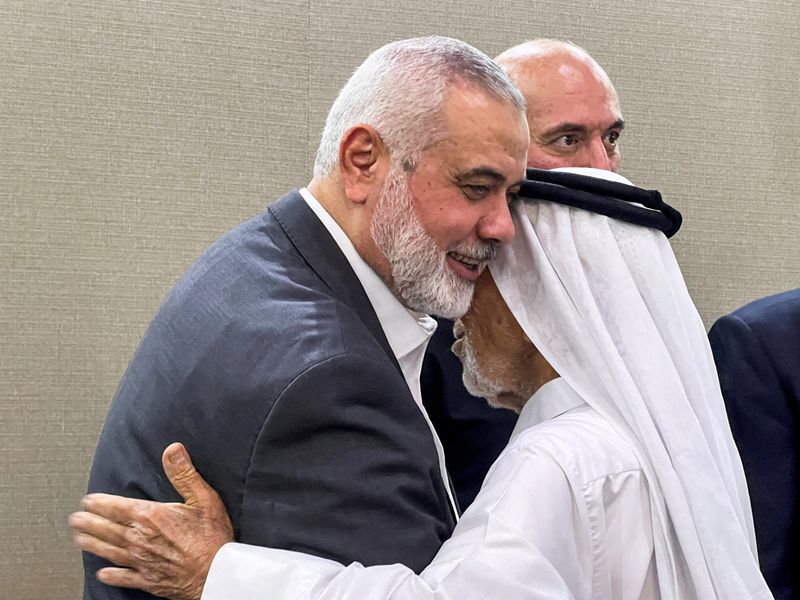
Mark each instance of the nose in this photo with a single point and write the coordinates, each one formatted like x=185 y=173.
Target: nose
x=596 y=155
x=497 y=224
x=458 y=328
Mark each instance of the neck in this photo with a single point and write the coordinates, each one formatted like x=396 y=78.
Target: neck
x=541 y=372
x=354 y=218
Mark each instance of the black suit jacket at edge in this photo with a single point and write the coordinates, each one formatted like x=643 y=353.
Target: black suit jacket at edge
x=757 y=351
x=268 y=362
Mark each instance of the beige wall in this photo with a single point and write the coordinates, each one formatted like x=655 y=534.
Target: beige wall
x=133 y=133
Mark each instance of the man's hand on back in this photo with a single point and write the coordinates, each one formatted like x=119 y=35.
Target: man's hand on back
x=165 y=549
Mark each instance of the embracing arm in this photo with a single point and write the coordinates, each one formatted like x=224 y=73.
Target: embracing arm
x=491 y=557
x=343 y=466
x=255 y=573
x=164 y=549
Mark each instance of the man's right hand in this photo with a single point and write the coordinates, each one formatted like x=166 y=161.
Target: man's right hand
x=165 y=549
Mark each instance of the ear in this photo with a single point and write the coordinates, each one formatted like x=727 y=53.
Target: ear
x=363 y=162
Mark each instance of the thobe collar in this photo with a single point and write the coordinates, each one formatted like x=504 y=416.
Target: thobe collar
x=554 y=398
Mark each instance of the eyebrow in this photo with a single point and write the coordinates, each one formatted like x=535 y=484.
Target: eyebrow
x=493 y=174
x=577 y=127
x=618 y=124
x=481 y=172
x=489 y=172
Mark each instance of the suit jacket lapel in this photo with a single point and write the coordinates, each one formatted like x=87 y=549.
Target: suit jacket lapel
x=315 y=244
x=323 y=255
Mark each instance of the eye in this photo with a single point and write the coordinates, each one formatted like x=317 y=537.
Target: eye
x=567 y=141
x=612 y=137
x=512 y=196
x=477 y=192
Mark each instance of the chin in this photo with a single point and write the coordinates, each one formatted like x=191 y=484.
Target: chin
x=506 y=402
x=482 y=388
x=494 y=402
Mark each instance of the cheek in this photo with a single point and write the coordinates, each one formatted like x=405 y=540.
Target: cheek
x=445 y=216
x=509 y=342
x=489 y=362
x=615 y=161
x=494 y=342
x=478 y=334
x=451 y=225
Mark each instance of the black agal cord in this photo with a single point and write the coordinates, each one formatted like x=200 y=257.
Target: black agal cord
x=610 y=198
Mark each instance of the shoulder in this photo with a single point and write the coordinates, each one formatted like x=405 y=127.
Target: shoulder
x=581 y=442
x=783 y=308
x=556 y=487
x=768 y=327
x=254 y=254
x=254 y=292
x=553 y=463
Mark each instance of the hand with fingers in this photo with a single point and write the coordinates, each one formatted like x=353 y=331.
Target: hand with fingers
x=164 y=549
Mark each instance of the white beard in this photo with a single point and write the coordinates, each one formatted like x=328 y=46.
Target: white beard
x=475 y=380
x=420 y=275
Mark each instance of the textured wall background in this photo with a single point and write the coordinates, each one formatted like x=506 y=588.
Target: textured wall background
x=132 y=133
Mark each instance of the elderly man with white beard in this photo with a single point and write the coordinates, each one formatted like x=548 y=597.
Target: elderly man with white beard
x=621 y=480
x=575 y=120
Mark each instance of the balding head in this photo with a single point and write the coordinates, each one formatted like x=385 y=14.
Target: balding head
x=572 y=108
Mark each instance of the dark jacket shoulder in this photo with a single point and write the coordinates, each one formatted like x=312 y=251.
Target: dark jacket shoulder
x=269 y=363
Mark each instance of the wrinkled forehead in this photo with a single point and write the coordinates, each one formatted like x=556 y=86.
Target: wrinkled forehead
x=565 y=67
x=555 y=83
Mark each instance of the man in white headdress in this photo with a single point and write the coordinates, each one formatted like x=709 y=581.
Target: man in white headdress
x=621 y=479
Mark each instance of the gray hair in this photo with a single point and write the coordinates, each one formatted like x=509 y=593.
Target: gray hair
x=399 y=90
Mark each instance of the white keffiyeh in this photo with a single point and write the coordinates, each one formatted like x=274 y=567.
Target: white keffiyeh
x=607 y=306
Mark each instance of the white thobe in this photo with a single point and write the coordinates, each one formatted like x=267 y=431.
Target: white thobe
x=563 y=513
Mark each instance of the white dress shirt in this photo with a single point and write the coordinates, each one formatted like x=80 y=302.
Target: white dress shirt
x=563 y=513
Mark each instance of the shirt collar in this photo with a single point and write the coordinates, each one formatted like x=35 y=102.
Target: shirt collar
x=405 y=329
x=554 y=398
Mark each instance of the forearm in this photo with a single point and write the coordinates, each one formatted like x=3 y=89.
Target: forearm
x=255 y=573
x=460 y=572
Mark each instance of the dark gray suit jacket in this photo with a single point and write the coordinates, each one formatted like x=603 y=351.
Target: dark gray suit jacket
x=268 y=362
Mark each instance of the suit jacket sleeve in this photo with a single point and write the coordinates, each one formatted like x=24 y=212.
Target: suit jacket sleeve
x=764 y=426
x=337 y=467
